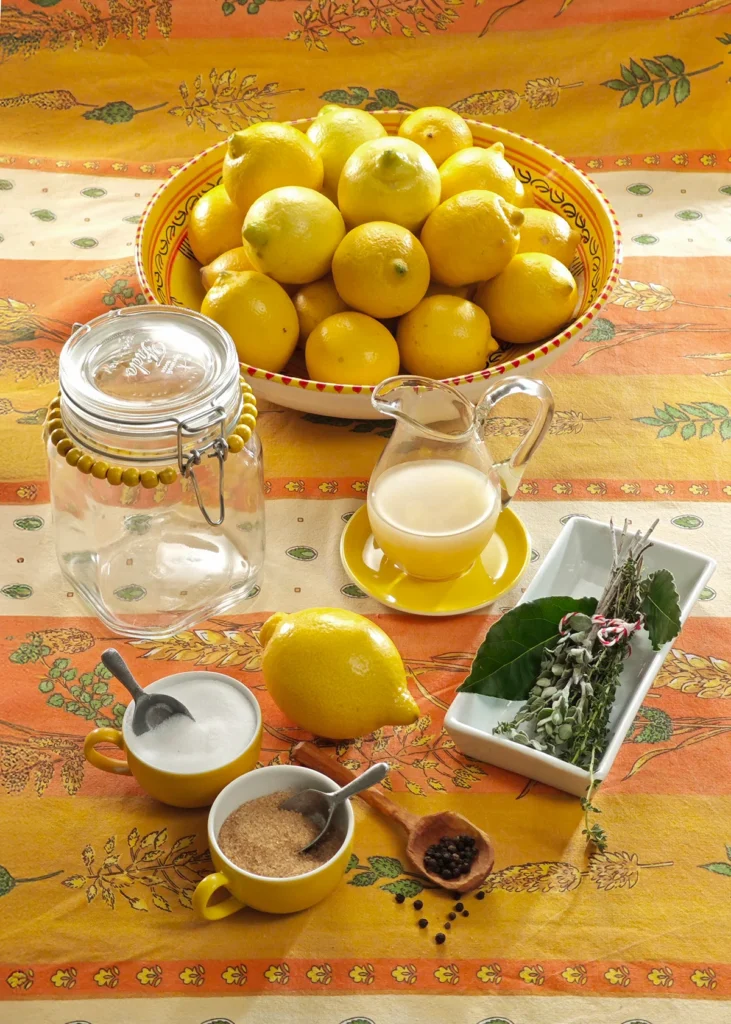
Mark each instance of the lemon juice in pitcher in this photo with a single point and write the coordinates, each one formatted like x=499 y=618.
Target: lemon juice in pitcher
x=433 y=517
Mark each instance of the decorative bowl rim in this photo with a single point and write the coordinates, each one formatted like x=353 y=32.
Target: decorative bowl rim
x=547 y=346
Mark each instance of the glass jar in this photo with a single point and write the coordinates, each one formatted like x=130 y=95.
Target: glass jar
x=153 y=395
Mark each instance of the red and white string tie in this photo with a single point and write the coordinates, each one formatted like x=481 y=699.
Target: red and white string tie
x=610 y=632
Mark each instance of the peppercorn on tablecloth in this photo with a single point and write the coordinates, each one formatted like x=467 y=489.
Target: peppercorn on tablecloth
x=99 y=101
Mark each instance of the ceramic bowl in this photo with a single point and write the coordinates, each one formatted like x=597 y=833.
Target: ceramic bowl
x=169 y=272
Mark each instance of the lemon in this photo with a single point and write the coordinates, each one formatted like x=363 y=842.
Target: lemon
x=268 y=155
x=530 y=300
x=437 y=288
x=234 y=259
x=548 y=232
x=471 y=237
x=291 y=234
x=214 y=225
x=335 y=673
x=314 y=303
x=336 y=134
x=351 y=348
x=438 y=130
x=381 y=269
x=258 y=314
x=388 y=179
x=481 y=168
x=445 y=336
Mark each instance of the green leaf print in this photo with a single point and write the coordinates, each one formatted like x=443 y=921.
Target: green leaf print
x=6 y=185
x=363 y=878
x=132 y=592
x=352 y=863
x=681 y=91
x=645 y=239
x=85 y=243
x=688 y=215
x=661 y=74
x=640 y=189
x=687 y=522
x=662 y=93
x=602 y=330
x=386 y=867
x=28 y=523
x=93 y=193
x=302 y=553
x=351 y=97
x=407 y=887
x=719 y=868
x=118 y=112
x=19 y=591
x=654 y=724
x=688 y=431
x=8 y=883
x=707 y=594
x=725 y=429
x=697 y=418
x=351 y=590
x=43 y=215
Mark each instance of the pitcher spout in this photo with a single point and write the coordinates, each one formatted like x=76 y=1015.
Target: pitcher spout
x=430 y=407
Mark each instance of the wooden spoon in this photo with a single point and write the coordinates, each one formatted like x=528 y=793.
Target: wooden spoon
x=422 y=831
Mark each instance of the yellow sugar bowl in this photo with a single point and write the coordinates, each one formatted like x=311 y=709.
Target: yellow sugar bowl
x=182 y=762
x=272 y=895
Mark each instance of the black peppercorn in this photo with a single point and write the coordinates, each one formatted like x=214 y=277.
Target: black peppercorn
x=480 y=895
x=465 y=913
x=458 y=907
x=418 y=904
x=451 y=915
x=400 y=897
x=446 y=925
x=439 y=938
x=422 y=922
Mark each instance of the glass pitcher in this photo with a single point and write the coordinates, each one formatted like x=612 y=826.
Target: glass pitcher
x=436 y=493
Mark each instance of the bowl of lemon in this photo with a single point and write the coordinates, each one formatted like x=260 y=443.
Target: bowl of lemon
x=346 y=248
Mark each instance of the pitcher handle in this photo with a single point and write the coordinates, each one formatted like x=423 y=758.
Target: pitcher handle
x=511 y=470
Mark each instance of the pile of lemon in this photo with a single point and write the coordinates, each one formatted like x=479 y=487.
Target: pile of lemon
x=376 y=253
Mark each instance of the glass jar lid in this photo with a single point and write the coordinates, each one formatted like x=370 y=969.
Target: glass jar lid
x=130 y=377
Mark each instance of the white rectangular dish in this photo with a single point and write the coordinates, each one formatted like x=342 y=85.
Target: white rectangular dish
x=578 y=566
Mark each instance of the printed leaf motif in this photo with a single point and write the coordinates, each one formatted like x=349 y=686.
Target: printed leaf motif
x=107 y=977
x=19 y=591
x=704 y=978
x=386 y=867
x=151 y=976
x=687 y=522
x=277 y=974
x=618 y=976
x=507 y=662
x=532 y=975
x=448 y=974
x=235 y=975
x=44 y=215
x=407 y=887
x=575 y=975
x=404 y=973
x=28 y=523
x=85 y=243
x=659 y=73
x=490 y=974
x=640 y=189
x=718 y=868
x=195 y=975
x=21 y=979
x=363 y=878
x=661 y=976
x=302 y=553
x=132 y=592
x=660 y=608
x=93 y=193
x=362 y=974
x=320 y=974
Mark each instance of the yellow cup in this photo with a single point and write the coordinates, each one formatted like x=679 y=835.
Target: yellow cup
x=272 y=895
x=193 y=789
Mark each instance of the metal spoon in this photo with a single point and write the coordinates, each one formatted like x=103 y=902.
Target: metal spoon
x=151 y=709
x=320 y=807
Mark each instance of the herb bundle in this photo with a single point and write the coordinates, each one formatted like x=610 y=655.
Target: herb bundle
x=564 y=656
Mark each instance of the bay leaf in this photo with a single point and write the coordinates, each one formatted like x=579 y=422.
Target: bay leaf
x=660 y=607
x=507 y=663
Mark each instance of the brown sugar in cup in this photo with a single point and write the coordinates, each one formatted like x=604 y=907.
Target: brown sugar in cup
x=261 y=837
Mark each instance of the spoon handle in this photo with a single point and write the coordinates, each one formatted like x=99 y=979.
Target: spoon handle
x=114 y=662
x=368 y=778
x=312 y=756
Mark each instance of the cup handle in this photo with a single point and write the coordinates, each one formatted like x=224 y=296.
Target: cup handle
x=202 y=895
x=511 y=470
x=107 y=764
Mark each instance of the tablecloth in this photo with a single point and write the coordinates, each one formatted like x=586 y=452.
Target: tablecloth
x=99 y=102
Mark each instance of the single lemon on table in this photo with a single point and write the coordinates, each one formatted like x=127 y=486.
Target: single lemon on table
x=548 y=232
x=351 y=348
x=314 y=303
x=291 y=233
x=335 y=134
x=471 y=237
x=268 y=155
x=335 y=673
x=381 y=269
x=445 y=336
x=388 y=179
x=234 y=259
x=438 y=130
x=530 y=300
x=481 y=168
x=214 y=225
x=258 y=314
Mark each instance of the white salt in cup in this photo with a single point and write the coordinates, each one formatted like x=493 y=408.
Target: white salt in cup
x=179 y=788
x=272 y=895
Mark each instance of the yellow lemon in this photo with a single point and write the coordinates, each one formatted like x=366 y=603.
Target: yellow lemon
x=471 y=237
x=214 y=225
x=351 y=348
x=336 y=134
x=530 y=300
x=314 y=303
x=437 y=288
x=258 y=314
x=445 y=336
x=481 y=168
x=335 y=673
x=381 y=269
x=291 y=234
x=388 y=179
x=438 y=130
x=268 y=155
x=548 y=232
x=234 y=259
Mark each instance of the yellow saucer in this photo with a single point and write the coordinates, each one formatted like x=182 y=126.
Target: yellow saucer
x=499 y=568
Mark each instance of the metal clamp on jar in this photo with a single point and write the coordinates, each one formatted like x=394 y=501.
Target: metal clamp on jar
x=155 y=470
